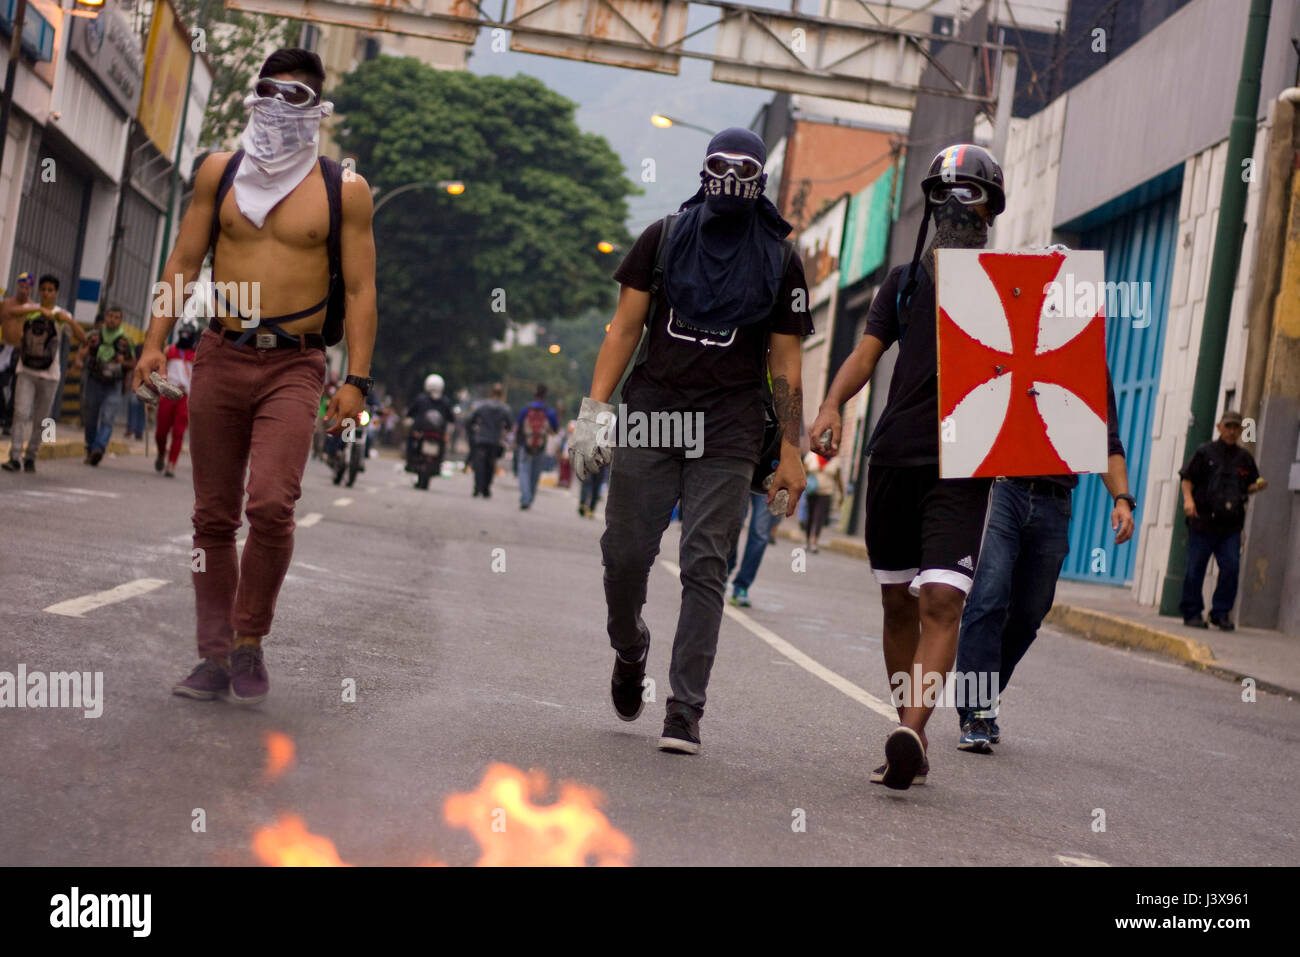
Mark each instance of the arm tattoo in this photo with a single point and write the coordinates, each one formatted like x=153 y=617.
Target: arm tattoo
x=789 y=409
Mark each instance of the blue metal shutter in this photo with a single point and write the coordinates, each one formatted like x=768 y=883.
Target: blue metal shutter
x=1139 y=247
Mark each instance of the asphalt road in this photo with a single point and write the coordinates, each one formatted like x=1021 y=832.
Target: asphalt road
x=457 y=665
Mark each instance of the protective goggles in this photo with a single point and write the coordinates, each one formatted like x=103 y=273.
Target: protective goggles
x=968 y=194
x=291 y=91
x=745 y=168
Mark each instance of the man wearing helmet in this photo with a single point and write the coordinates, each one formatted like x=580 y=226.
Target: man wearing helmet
x=923 y=533
x=433 y=397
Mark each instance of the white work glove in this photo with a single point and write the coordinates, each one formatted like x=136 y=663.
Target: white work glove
x=592 y=448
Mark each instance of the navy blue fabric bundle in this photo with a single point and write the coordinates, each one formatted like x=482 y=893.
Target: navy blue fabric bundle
x=722 y=268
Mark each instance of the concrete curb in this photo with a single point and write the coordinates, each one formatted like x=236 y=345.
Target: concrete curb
x=67 y=449
x=854 y=549
x=1120 y=632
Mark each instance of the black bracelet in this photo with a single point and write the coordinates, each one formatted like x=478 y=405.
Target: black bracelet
x=1126 y=497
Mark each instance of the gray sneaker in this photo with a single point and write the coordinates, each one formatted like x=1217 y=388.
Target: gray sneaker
x=249 y=682
x=209 y=680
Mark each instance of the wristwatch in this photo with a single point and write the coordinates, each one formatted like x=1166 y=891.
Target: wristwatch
x=365 y=385
x=1126 y=497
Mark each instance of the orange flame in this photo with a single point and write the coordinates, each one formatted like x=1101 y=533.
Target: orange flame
x=513 y=831
x=279 y=754
x=289 y=844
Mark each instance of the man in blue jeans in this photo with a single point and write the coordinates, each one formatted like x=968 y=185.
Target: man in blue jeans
x=537 y=423
x=109 y=359
x=1026 y=539
x=761 y=525
x=1216 y=482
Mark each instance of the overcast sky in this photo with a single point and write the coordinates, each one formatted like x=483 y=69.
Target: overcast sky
x=617 y=103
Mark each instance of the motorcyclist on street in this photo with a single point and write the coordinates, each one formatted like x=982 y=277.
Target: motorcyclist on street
x=433 y=397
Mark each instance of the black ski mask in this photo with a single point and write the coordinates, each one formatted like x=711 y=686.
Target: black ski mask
x=723 y=263
x=958 y=226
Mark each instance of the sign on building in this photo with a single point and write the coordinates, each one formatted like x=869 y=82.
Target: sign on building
x=1022 y=363
x=168 y=65
x=110 y=50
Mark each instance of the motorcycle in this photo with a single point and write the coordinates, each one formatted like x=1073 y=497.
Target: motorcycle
x=349 y=454
x=426 y=447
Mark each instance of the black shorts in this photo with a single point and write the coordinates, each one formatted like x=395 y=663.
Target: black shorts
x=923 y=529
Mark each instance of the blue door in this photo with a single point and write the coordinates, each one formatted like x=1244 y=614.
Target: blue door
x=1139 y=247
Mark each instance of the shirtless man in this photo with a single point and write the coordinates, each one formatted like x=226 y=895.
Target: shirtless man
x=13 y=309
x=257 y=380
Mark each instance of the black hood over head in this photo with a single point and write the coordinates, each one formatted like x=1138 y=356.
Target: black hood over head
x=722 y=268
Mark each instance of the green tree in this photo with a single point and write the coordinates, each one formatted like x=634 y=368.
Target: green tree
x=236 y=44
x=519 y=244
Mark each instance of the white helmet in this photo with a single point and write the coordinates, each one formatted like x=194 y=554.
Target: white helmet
x=434 y=385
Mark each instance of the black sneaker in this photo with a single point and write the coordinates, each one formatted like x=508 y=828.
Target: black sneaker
x=681 y=734
x=96 y=457
x=29 y=465
x=158 y=464
x=1197 y=622
x=11 y=465
x=904 y=758
x=1223 y=624
x=625 y=688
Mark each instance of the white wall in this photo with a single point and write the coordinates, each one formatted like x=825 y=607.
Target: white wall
x=1031 y=170
x=1198 y=216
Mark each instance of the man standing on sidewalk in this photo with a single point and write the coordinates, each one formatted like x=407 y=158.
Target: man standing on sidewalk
x=923 y=533
x=537 y=423
x=1025 y=544
x=38 y=373
x=273 y=214
x=733 y=308
x=1216 y=482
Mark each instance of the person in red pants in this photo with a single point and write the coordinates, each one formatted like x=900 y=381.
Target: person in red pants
x=174 y=414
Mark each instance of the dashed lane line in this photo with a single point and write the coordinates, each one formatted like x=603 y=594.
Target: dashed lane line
x=77 y=607
x=808 y=664
x=343 y=502
x=310 y=519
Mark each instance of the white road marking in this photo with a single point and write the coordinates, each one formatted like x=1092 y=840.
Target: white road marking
x=77 y=607
x=343 y=502
x=182 y=539
x=310 y=519
x=88 y=491
x=371 y=490
x=1080 y=861
x=813 y=667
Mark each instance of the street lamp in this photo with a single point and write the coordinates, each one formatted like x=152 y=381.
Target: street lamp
x=605 y=246
x=453 y=187
x=664 y=121
x=554 y=349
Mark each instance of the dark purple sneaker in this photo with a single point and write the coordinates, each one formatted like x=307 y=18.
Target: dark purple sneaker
x=248 y=679
x=209 y=680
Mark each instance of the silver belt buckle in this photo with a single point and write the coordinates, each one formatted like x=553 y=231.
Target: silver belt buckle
x=264 y=340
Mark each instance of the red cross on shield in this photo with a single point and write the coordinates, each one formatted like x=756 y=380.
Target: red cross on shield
x=1022 y=363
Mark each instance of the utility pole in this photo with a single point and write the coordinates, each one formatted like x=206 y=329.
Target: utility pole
x=180 y=148
x=1223 y=275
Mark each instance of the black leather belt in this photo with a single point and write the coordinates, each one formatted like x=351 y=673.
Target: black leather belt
x=1043 y=487
x=267 y=338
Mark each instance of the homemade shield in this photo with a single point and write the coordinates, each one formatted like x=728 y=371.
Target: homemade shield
x=1022 y=363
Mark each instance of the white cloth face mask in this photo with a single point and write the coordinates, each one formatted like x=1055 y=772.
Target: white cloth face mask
x=279 y=151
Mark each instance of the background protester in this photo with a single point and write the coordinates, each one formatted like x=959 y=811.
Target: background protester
x=12 y=310
x=45 y=331
x=1216 y=482
x=489 y=423
x=537 y=423
x=823 y=493
x=109 y=357
x=174 y=414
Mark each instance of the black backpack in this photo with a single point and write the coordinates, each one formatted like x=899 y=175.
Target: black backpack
x=333 y=174
x=40 y=344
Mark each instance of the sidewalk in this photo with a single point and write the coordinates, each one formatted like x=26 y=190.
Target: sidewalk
x=75 y=447
x=1108 y=615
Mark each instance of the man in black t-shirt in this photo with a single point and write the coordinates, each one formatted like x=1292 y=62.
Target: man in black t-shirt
x=923 y=532
x=718 y=316
x=1216 y=481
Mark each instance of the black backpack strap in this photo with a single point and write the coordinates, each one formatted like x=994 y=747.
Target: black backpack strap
x=333 y=173
x=661 y=256
x=223 y=187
